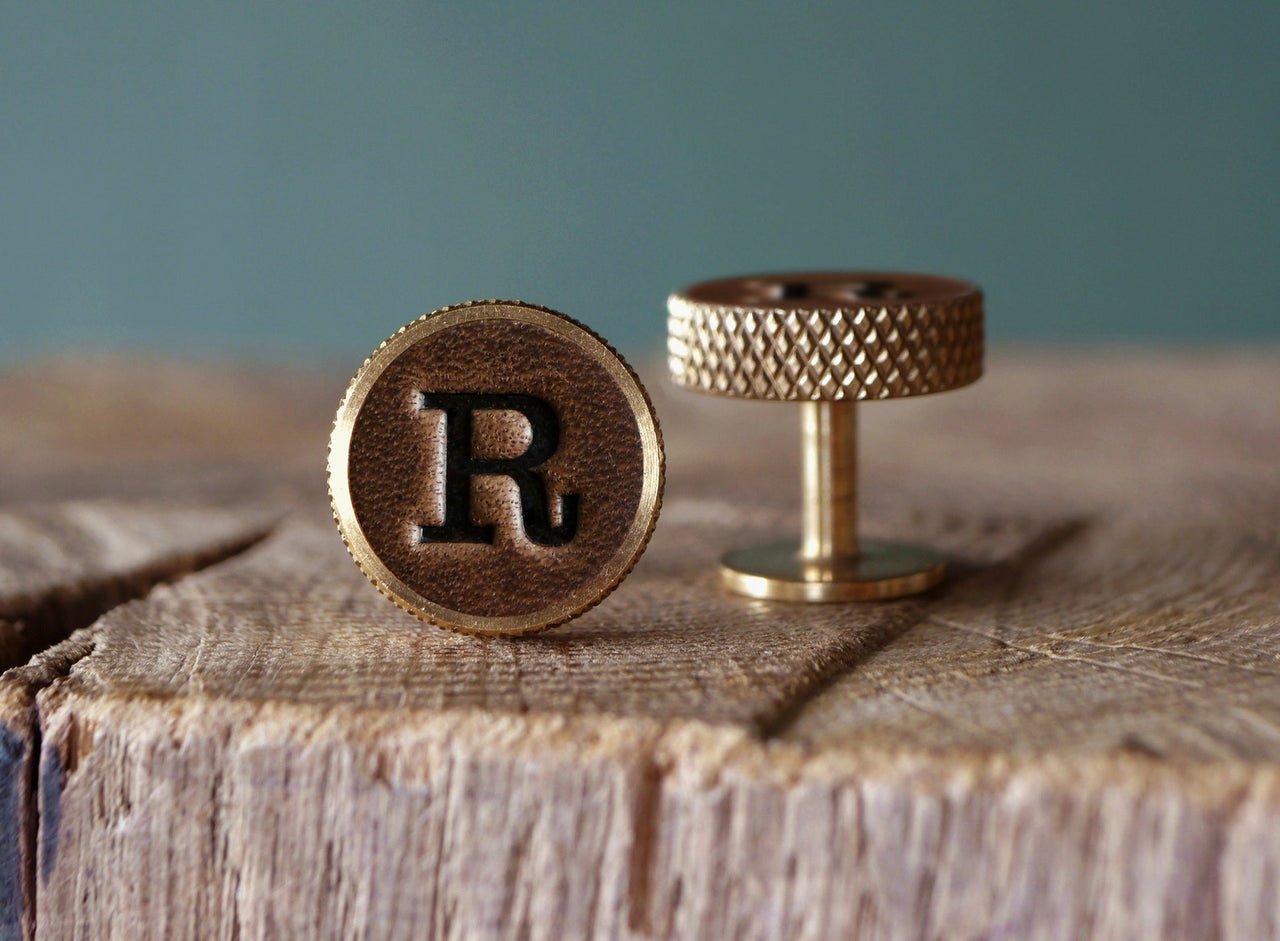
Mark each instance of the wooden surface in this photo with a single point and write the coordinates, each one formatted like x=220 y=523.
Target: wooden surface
x=1076 y=736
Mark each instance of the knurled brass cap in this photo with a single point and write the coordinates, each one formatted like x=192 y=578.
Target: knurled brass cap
x=826 y=336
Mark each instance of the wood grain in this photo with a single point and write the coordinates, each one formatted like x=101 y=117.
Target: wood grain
x=62 y=565
x=1076 y=736
x=138 y=428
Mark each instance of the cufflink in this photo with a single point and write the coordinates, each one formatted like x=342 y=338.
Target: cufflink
x=496 y=468
x=828 y=341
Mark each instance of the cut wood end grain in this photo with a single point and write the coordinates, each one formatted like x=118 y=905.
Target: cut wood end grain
x=622 y=828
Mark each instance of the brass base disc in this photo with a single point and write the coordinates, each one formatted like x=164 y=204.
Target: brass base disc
x=881 y=570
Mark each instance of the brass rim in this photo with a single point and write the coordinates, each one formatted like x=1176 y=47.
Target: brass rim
x=810 y=336
x=610 y=574
x=881 y=570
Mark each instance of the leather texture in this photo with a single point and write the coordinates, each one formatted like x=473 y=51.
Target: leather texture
x=398 y=450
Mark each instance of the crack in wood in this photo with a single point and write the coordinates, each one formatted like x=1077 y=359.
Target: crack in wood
x=916 y=612
x=42 y=620
x=58 y=635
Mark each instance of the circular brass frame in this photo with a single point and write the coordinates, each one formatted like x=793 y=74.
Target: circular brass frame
x=881 y=570
x=610 y=574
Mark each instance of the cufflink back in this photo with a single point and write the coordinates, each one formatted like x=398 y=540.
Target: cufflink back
x=828 y=340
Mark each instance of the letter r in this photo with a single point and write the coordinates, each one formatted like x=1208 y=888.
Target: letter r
x=461 y=465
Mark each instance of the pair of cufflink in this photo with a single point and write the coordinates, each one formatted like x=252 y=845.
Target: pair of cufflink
x=497 y=467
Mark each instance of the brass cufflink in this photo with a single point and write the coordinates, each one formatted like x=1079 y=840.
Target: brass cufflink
x=495 y=468
x=828 y=340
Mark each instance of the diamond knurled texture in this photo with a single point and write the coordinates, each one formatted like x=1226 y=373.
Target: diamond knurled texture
x=877 y=351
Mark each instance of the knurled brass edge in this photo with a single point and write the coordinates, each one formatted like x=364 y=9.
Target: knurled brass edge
x=604 y=591
x=848 y=353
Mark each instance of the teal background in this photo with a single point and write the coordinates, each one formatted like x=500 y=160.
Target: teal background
x=295 y=180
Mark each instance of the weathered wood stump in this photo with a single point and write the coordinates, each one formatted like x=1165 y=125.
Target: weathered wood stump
x=213 y=727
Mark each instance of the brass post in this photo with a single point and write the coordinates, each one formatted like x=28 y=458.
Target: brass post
x=829 y=445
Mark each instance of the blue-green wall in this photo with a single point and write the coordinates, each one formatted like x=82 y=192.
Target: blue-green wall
x=297 y=179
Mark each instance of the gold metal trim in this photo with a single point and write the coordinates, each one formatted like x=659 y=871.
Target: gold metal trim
x=880 y=571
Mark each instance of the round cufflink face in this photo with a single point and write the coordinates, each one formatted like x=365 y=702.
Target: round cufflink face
x=495 y=468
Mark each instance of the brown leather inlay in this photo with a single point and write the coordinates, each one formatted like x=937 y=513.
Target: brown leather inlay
x=396 y=471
